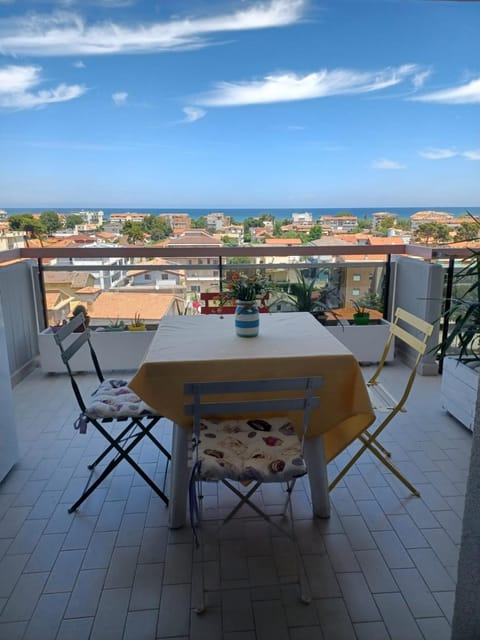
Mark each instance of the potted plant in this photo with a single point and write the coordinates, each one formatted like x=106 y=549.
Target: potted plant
x=247 y=291
x=304 y=295
x=116 y=325
x=361 y=315
x=137 y=324
x=363 y=335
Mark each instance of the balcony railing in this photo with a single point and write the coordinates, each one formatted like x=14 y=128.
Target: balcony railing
x=23 y=269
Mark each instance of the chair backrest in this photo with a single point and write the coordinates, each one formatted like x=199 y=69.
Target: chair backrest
x=412 y=331
x=68 y=348
x=260 y=398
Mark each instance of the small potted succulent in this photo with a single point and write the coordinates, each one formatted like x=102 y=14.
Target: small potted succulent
x=116 y=325
x=361 y=315
x=137 y=324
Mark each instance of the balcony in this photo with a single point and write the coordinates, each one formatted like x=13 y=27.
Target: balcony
x=383 y=566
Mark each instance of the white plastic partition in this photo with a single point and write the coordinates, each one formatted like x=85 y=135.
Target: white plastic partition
x=8 y=433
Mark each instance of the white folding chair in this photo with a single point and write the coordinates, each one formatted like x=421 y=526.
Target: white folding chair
x=248 y=440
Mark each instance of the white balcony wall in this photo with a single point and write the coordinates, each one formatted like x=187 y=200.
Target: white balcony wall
x=19 y=293
x=417 y=286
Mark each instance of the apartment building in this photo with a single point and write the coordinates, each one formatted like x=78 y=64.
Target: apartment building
x=177 y=220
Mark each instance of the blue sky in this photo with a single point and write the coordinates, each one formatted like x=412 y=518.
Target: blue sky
x=219 y=104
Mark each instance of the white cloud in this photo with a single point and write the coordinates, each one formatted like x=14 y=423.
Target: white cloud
x=66 y=33
x=120 y=97
x=473 y=154
x=192 y=114
x=384 y=163
x=289 y=86
x=16 y=79
x=465 y=94
x=442 y=154
x=438 y=154
x=420 y=78
x=79 y=64
x=17 y=83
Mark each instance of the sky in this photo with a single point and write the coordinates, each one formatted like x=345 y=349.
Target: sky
x=247 y=103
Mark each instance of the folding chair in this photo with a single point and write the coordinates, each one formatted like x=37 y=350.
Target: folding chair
x=251 y=451
x=111 y=401
x=413 y=332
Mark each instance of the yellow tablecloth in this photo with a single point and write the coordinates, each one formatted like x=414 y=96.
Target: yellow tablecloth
x=205 y=348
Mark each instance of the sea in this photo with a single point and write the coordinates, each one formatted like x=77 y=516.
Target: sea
x=362 y=213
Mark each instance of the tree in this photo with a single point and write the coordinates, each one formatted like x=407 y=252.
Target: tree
x=133 y=231
x=467 y=231
x=199 y=223
x=73 y=220
x=432 y=232
x=362 y=225
x=389 y=222
x=157 y=228
x=50 y=221
x=230 y=242
x=25 y=222
x=315 y=232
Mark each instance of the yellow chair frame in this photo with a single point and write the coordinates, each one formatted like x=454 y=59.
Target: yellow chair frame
x=382 y=400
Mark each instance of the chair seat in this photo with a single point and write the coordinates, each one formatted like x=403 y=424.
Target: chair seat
x=244 y=450
x=113 y=398
x=381 y=398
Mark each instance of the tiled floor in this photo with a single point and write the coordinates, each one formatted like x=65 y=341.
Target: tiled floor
x=383 y=566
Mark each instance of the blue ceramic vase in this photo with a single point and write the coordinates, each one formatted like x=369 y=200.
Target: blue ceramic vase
x=247 y=319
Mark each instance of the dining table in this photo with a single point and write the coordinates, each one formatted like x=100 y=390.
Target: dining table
x=205 y=348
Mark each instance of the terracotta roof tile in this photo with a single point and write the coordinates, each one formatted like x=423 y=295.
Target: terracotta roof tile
x=388 y=240
x=124 y=305
x=283 y=241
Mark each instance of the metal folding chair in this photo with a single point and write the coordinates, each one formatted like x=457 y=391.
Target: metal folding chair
x=414 y=333
x=248 y=450
x=111 y=402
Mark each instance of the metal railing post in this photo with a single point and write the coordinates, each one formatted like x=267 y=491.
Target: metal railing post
x=447 y=307
x=43 y=293
x=386 y=288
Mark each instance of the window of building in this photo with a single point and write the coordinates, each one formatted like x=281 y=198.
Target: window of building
x=215 y=272
x=147 y=276
x=355 y=292
x=164 y=276
x=195 y=288
x=200 y=261
x=356 y=277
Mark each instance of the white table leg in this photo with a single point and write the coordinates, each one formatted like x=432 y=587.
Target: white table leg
x=179 y=478
x=314 y=453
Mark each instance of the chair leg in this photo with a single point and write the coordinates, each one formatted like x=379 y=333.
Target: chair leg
x=370 y=444
x=303 y=583
x=396 y=472
x=123 y=453
x=198 y=579
x=377 y=444
x=305 y=593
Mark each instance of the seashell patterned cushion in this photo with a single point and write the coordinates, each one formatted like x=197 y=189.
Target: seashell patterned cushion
x=114 y=399
x=244 y=450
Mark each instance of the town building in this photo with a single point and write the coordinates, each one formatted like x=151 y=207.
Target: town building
x=217 y=221
x=338 y=224
x=177 y=220
x=203 y=274
x=379 y=216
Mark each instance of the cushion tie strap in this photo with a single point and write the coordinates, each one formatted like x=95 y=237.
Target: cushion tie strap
x=81 y=423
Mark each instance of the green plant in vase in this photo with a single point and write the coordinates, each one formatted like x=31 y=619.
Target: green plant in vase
x=137 y=323
x=361 y=315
